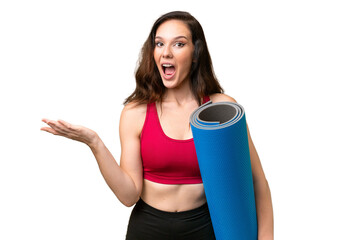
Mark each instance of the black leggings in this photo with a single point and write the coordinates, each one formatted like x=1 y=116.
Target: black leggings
x=149 y=223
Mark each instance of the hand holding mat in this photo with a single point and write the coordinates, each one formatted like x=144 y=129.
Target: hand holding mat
x=220 y=137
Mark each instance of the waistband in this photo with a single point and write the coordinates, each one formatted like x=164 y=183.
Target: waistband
x=182 y=214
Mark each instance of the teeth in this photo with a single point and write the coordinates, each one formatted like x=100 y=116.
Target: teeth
x=167 y=65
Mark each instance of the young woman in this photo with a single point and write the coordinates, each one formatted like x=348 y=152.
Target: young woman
x=158 y=167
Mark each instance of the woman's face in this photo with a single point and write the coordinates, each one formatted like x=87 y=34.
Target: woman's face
x=173 y=52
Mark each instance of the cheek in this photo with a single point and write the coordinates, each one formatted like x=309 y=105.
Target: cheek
x=156 y=59
x=186 y=62
x=157 y=53
x=156 y=56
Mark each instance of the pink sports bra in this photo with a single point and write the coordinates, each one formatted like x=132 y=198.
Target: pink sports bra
x=166 y=160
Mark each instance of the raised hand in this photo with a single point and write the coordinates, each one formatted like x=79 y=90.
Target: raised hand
x=74 y=132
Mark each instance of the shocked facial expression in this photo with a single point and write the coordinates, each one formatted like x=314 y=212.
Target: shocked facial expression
x=173 y=53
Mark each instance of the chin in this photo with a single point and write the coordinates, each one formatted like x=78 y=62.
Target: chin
x=174 y=83
x=170 y=83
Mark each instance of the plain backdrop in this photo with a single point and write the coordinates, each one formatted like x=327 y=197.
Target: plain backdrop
x=293 y=65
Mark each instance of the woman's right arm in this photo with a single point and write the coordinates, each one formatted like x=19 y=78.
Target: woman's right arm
x=125 y=180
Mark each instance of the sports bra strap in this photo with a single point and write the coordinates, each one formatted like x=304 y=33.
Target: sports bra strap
x=206 y=99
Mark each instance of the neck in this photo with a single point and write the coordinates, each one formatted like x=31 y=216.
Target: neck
x=180 y=95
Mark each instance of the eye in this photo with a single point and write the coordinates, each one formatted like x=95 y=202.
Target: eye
x=159 y=44
x=179 y=44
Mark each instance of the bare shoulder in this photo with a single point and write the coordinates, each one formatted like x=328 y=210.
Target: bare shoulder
x=134 y=109
x=221 y=97
x=133 y=117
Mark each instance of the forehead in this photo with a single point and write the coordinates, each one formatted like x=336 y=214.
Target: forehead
x=173 y=28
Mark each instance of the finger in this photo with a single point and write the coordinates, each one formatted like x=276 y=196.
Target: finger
x=65 y=129
x=66 y=124
x=57 y=127
x=45 y=120
x=71 y=128
x=60 y=131
x=49 y=130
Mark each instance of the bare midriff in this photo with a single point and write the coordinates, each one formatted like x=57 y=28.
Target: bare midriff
x=173 y=197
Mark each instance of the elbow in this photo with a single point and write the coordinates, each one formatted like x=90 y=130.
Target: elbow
x=261 y=183
x=129 y=202
x=259 y=178
x=126 y=204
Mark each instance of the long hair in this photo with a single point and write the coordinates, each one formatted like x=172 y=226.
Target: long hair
x=149 y=86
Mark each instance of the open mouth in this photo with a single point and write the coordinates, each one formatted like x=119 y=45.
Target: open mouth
x=168 y=70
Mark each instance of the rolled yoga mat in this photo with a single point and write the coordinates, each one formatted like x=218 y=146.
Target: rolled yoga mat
x=221 y=143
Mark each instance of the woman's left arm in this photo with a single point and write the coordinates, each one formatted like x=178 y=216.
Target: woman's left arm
x=264 y=207
x=262 y=196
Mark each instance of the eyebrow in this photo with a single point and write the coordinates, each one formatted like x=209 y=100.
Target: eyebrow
x=178 y=37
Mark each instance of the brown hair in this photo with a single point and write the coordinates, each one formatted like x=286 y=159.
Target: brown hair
x=149 y=86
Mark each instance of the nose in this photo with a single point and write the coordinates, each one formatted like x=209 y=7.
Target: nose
x=167 y=52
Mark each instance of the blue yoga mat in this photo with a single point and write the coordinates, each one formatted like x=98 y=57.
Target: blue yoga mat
x=220 y=136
